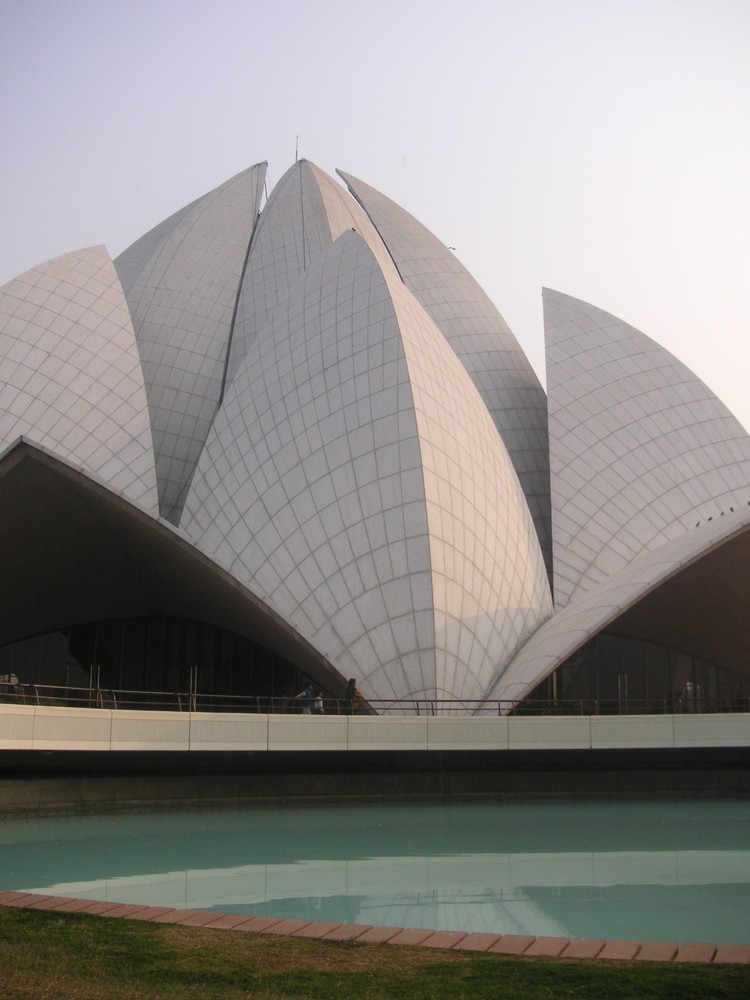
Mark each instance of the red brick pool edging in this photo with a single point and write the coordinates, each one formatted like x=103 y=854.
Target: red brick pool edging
x=496 y=944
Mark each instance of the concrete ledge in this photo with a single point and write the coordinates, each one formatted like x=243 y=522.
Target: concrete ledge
x=512 y=944
x=620 y=951
x=657 y=951
x=17 y=727
x=582 y=948
x=384 y=733
x=734 y=954
x=45 y=728
x=213 y=731
x=540 y=732
x=91 y=728
x=705 y=730
x=469 y=733
x=307 y=732
x=696 y=953
x=477 y=941
x=509 y=944
x=444 y=939
x=632 y=731
x=163 y=731
x=347 y=932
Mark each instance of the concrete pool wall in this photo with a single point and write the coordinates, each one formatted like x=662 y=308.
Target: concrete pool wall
x=62 y=761
x=65 y=759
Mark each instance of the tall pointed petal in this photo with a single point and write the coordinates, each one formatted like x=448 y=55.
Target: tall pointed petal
x=355 y=481
x=305 y=213
x=181 y=281
x=480 y=337
x=70 y=375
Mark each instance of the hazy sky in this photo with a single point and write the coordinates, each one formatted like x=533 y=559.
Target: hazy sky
x=598 y=147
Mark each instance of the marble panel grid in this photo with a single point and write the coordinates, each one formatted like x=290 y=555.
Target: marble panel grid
x=288 y=493
x=70 y=373
x=182 y=282
x=345 y=440
x=641 y=450
x=490 y=587
x=481 y=338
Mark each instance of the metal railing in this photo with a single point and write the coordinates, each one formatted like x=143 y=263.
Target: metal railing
x=180 y=701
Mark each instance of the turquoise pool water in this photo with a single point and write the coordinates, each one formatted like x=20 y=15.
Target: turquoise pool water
x=661 y=871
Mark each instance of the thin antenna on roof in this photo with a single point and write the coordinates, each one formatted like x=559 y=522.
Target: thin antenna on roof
x=296 y=148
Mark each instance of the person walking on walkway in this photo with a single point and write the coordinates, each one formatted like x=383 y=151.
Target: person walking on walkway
x=351 y=690
x=306 y=697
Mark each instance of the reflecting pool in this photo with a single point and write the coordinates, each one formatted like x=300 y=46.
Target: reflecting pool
x=646 y=871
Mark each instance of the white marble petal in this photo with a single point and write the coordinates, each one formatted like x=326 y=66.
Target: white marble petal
x=70 y=374
x=480 y=337
x=355 y=481
x=181 y=281
x=640 y=449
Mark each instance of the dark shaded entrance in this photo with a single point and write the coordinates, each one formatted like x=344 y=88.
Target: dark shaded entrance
x=80 y=553
x=149 y=655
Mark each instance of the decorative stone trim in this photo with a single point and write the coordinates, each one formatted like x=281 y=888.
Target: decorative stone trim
x=508 y=944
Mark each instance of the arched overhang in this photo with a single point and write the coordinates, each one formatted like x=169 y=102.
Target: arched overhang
x=692 y=594
x=73 y=551
x=702 y=609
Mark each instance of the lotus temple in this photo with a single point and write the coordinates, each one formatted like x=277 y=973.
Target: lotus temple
x=286 y=439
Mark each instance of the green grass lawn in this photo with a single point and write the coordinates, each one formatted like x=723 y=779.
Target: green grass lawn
x=57 y=955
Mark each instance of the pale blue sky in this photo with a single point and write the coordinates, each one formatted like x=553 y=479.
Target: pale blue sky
x=599 y=147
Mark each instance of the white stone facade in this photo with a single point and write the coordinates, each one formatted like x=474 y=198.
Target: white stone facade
x=641 y=450
x=70 y=375
x=333 y=417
